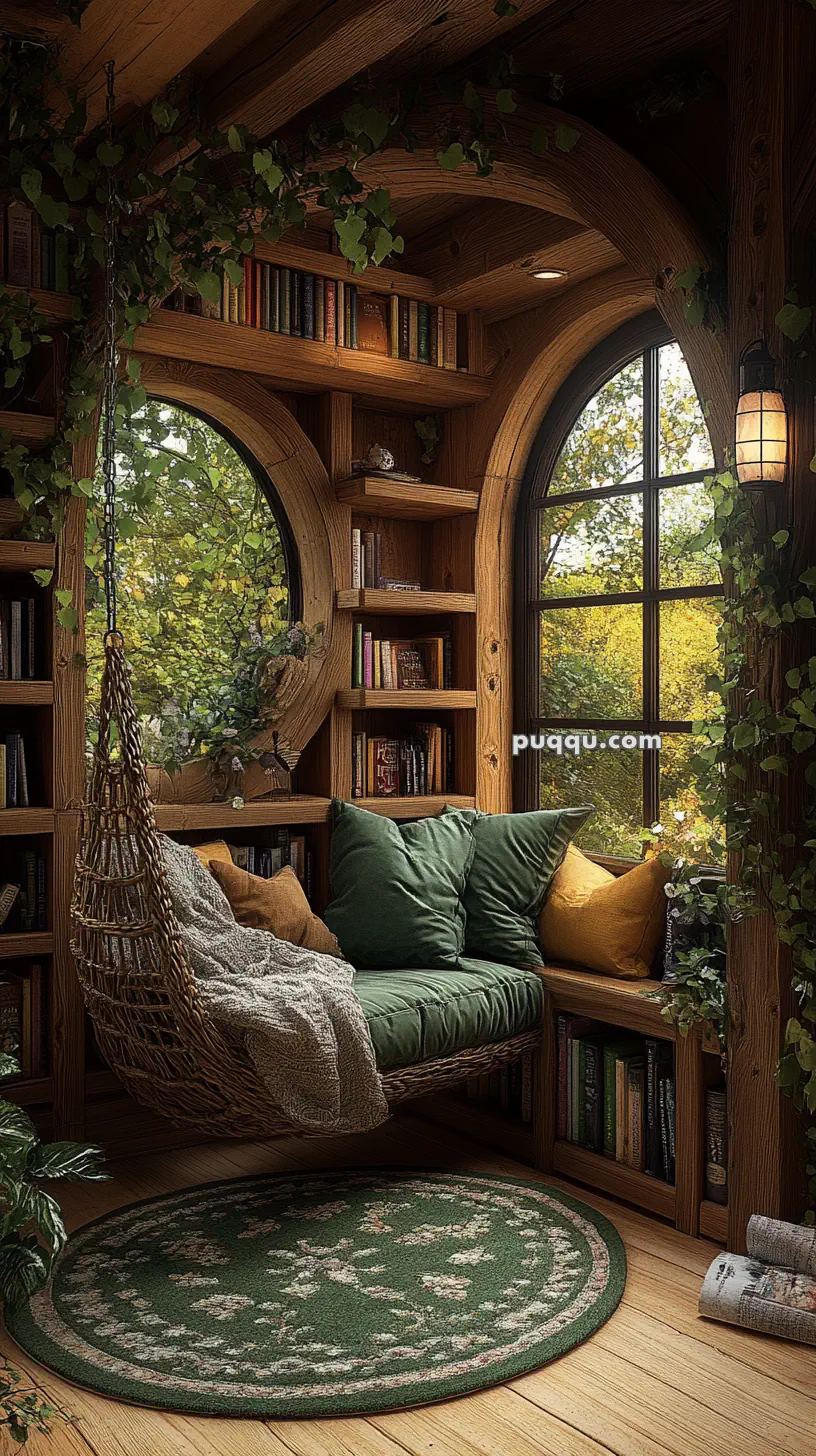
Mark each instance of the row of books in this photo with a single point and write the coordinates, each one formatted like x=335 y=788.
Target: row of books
x=32 y=256
x=366 y=564
x=23 y=893
x=13 y=773
x=510 y=1088
x=17 y=639
x=308 y=306
x=394 y=663
x=390 y=768
x=22 y=1019
x=616 y=1094
x=284 y=848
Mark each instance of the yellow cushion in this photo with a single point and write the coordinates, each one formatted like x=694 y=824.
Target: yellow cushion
x=607 y=923
x=279 y=905
x=216 y=849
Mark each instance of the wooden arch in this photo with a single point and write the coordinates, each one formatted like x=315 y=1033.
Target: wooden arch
x=256 y=417
x=600 y=184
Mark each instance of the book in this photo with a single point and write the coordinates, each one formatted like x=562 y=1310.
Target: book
x=413 y=329
x=20 y=223
x=340 y=312
x=356 y=557
x=308 y=306
x=8 y=895
x=320 y=309
x=352 y=335
x=357 y=657
x=394 y=326
x=449 y=339
x=772 y=1288
x=716 y=1145
x=635 y=1097
x=15 y=1019
x=331 y=311
x=373 y=323
x=423 y=334
x=284 y=302
x=295 y=303
x=404 y=329
x=384 y=767
x=561 y=1076
x=592 y=1072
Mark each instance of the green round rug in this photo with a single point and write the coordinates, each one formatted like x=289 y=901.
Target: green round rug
x=326 y=1293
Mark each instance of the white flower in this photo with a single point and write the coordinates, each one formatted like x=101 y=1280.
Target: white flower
x=446 y=1286
x=229 y=733
x=477 y=1255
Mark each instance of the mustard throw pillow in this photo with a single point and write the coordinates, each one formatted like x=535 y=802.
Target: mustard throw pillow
x=216 y=849
x=607 y=923
x=279 y=905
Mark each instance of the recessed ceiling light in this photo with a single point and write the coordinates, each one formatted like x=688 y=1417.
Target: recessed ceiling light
x=547 y=274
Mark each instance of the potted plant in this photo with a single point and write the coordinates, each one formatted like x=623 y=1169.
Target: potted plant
x=31 y=1235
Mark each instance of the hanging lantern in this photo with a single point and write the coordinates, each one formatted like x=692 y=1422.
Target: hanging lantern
x=762 y=421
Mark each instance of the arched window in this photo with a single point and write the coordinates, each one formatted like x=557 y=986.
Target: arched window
x=206 y=568
x=616 y=625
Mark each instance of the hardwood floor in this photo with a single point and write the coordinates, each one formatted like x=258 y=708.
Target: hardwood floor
x=655 y=1381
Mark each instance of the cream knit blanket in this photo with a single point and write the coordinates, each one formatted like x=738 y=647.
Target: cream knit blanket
x=296 y=1010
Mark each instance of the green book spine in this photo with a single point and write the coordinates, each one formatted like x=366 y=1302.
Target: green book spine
x=423 y=336
x=581 y=1051
x=273 y=299
x=609 y=1102
x=284 y=299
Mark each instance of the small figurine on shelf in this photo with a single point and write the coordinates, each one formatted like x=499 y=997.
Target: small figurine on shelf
x=380 y=462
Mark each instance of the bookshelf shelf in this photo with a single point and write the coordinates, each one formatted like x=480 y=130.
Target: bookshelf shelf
x=26 y=555
x=10 y=516
x=372 y=495
x=26 y=821
x=26 y=944
x=621 y=1003
x=31 y=1091
x=57 y=307
x=306 y=364
x=407 y=603
x=31 y=429
x=615 y=1178
x=417 y=806
x=302 y=809
x=714 y=1221
x=408 y=698
x=27 y=694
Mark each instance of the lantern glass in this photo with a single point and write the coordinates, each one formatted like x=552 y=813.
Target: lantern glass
x=762 y=438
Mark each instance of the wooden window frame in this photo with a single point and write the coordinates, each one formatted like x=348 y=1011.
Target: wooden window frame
x=642 y=337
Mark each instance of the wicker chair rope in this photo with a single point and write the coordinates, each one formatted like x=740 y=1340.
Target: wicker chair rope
x=138 y=985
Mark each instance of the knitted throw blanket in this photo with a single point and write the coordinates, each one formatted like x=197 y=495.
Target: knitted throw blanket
x=296 y=1010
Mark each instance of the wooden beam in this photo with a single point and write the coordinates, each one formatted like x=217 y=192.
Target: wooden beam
x=487 y=236
x=316 y=48
x=150 y=42
x=39 y=21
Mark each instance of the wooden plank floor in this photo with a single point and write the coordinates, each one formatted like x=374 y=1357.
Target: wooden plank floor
x=655 y=1381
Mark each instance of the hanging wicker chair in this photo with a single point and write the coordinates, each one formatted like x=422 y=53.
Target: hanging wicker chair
x=138 y=985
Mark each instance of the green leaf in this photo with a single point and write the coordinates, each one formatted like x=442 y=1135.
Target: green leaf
x=793 y=321
x=803 y=739
x=350 y=231
x=505 y=8
x=110 y=156
x=68 y=617
x=471 y=98
x=690 y=278
x=43 y=576
x=164 y=115
x=745 y=734
x=803 y=607
x=234 y=271
x=505 y=102
x=31 y=183
x=452 y=157
x=566 y=137
x=64 y=596
x=209 y=286
x=235 y=140
x=793 y=677
x=54 y=214
x=774 y=764
x=781 y=539
x=539 y=141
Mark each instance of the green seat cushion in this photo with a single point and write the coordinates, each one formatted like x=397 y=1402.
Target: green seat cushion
x=416 y=1015
x=397 y=888
x=515 y=858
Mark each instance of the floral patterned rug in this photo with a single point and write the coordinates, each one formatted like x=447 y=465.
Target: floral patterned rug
x=325 y=1293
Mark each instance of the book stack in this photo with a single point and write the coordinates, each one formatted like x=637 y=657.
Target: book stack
x=308 y=306
x=283 y=849
x=22 y=1019
x=716 y=1140
x=509 y=1088
x=32 y=256
x=393 y=664
x=392 y=768
x=17 y=639
x=772 y=1289
x=13 y=773
x=23 y=898
x=616 y=1095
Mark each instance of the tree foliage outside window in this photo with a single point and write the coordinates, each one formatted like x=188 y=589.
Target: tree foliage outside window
x=201 y=578
x=625 y=615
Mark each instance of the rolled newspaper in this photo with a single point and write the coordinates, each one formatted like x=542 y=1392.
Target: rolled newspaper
x=772 y=1289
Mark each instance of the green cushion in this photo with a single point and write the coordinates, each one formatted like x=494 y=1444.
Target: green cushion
x=415 y=1015
x=397 y=888
x=516 y=856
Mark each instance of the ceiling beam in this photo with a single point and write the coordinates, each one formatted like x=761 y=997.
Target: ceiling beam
x=39 y=21
x=150 y=42
x=487 y=237
x=319 y=45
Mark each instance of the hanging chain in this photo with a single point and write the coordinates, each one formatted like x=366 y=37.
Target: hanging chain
x=111 y=370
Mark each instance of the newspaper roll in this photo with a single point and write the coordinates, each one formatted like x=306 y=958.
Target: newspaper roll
x=743 y=1291
x=788 y=1244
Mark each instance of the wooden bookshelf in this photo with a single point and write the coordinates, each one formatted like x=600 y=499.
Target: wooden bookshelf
x=57 y=307
x=306 y=364
x=27 y=694
x=369 y=599
x=615 y=1178
x=714 y=1221
x=416 y=806
x=28 y=943
x=26 y=555
x=410 y=699
x=28 y=429
x=26 y=821
x=11 y=516
x=373 y=495
x=301 y=809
